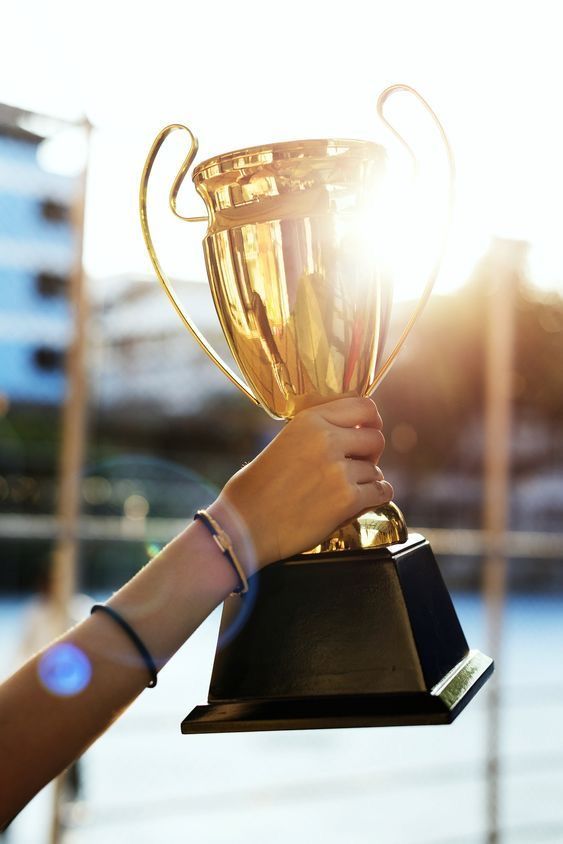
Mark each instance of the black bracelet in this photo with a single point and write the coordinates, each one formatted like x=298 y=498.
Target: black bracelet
x=225 y=545
x=137 y=641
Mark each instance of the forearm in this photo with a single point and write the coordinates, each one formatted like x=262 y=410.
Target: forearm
x=41 y=732
x=274 y=507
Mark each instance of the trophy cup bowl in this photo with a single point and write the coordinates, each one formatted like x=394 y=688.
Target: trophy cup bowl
x=361 y=629
x=303 y=305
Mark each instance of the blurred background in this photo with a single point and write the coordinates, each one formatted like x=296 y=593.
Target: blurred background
x=114 y=427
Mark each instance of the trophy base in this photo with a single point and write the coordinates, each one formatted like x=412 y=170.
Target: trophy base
x=439 y=706
x=348 y=639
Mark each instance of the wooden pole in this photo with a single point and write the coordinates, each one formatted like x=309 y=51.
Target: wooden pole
x=504 y=269
x=73 y=437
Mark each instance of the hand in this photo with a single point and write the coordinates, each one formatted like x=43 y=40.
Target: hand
x=319 y=471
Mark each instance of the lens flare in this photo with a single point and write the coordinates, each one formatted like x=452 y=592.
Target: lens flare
x=153 y=548
x=245 y=603
x=64 y=670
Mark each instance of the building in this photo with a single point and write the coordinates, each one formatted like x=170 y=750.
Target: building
x=37 y=248
x=146 y=361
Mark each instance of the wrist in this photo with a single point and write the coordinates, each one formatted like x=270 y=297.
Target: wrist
x=231 y=522
x=225 y=546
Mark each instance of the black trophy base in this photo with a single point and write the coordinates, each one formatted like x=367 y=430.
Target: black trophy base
x=350 y=639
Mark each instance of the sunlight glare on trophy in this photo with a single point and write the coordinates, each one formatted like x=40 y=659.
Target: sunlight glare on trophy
x=304 y=241
x=412 y=220
x=403 y=224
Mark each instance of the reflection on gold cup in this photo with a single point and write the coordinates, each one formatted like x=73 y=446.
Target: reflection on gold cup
x=303 y=301
x=302 y=309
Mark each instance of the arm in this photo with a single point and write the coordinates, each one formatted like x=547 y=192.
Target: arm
x=322 y=463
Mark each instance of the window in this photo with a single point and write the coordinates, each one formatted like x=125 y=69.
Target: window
x=50 y=285
x=48 y=359
x=53 y=211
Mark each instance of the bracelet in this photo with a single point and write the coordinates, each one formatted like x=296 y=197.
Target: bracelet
x=137 y=641
x=225 y=545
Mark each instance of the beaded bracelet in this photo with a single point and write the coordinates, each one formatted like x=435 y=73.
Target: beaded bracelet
x=137 y=641
x=225 y=545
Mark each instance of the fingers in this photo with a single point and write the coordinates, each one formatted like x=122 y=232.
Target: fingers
x=373 y=495
x=365 y=443
x=363 y=472
x=349 y=412
x=371 y=487
x=335 y=477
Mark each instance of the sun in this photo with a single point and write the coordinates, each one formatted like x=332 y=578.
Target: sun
x=410 y=228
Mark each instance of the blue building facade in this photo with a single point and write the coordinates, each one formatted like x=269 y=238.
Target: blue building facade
x=37 y=250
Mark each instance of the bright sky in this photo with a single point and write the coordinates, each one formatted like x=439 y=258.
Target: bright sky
x=250 y=72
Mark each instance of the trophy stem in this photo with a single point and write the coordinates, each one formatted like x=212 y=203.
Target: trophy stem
x=374 y=529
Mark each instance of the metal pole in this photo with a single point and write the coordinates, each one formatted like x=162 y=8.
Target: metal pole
x=65 y=553
x=504 y=268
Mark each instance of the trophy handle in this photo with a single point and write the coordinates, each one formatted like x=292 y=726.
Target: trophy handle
x=163 y=278
x=382 y=372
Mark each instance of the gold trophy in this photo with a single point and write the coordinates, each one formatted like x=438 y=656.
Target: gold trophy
x=361 y=630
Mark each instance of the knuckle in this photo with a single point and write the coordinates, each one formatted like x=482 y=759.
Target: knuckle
x=376 y=440
x=371 y=411
x=365 y=406
x=386 y=491
x=310 y=422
